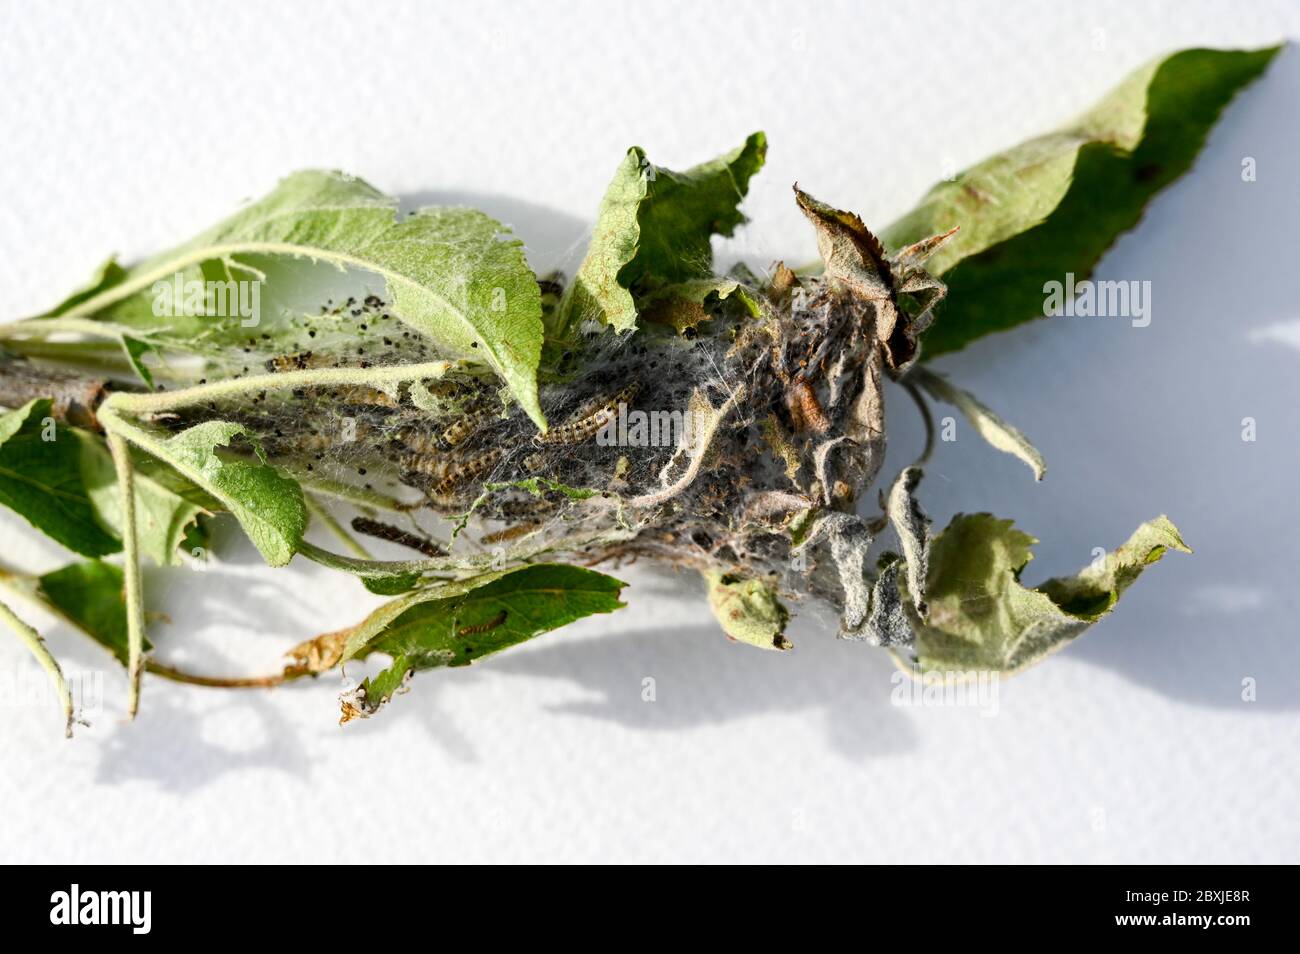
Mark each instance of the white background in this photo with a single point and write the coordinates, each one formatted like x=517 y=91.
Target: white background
x=129 y=127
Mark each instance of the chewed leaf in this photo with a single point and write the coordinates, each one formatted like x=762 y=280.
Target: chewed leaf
x=748 y=611
x=982 y=618
x=449 y=272
x=654 y=229
x=459 y=623
x=41 y=479
x=1054 y=204
x=987 y=425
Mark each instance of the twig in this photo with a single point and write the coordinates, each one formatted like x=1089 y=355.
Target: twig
x=131 y=569
x=37 y=645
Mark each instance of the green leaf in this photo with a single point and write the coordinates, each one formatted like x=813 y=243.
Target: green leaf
x=983 y=618
x=41 y=480
x=1055 y=204
x=748 y=611
x=89 y=595
x=449 y=273
x=655 y=228
x=135 y=351
x=167 y=507
x=459 y=623
x=269 y=506
x=107 y=276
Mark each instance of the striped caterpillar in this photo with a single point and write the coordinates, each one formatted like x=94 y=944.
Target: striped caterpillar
x=418 y=441
x=359 y=394
x=298 y=361
x=509 y=533
x=464 y=472
x=461 y=428
x=484 y=626
x=316 y=442
x=368 y=397
x=448 y=477
x=386 y=531
x=585 y=423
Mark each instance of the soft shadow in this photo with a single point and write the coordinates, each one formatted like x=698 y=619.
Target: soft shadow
x=700 y=679
x=181 y=743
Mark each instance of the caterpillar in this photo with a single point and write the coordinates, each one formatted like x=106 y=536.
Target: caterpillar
x=300 y=445
x=585 y=423
x=355 y=394
x=309 y=442
x=418 y=441
x=462 y=428
x=368 y=397
x=483 y=627
x=509 y=533
x=299 y=361
x=386 y=531
x=454 y=477
x=425 y=465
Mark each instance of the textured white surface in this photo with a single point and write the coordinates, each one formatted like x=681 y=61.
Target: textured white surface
x=130 y=126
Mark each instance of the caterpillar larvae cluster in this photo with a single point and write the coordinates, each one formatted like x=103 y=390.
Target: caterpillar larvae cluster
x=447 y=480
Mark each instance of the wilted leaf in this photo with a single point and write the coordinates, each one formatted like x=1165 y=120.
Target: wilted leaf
x=987 y=425
x=850 y=540
x=654 y=229
x=913 y=528
x=887 y=624
x=983 y=618
x=854 y=258
x=748 y=611
x=900 y=292
x=683 y=306
x=1054 y=204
